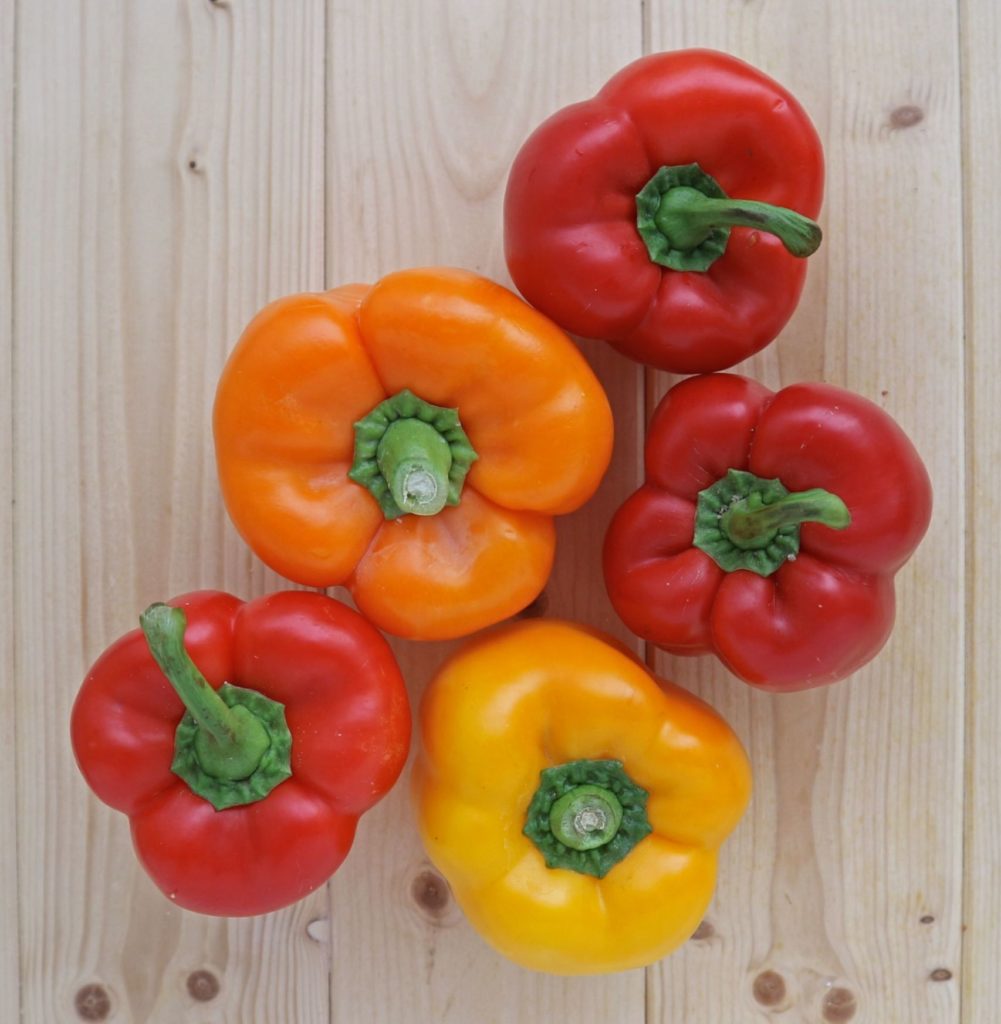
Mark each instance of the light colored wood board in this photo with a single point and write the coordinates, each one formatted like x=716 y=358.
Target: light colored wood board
x=10 y=981
x=56 y=221
x=253 y=213
x=169 y=173
x=418 y=153
x=980 y=41
x=855 y=831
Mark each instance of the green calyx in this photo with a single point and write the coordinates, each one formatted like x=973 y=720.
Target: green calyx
x=230 y=783
x=412 y=456
x=746 y=522
x=684 y=218
x=586 y=816
x=233 y=745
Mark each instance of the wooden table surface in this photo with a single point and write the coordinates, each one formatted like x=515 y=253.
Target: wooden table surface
x=170 y=165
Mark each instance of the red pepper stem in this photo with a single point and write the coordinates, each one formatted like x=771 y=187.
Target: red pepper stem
x=231 y=741
x=687 y=217
x=750 y=524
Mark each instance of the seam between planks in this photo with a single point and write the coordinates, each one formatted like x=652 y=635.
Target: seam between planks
x=325 y=122
x=10 y=199
x=967 y=744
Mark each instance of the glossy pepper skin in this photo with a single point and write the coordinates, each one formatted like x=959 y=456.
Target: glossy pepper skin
x=532 y=697
x=347 y=713
x=828 y=608
x=571 y=238
x=309 y=367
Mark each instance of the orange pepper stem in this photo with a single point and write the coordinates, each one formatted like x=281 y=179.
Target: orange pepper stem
x=412 y=456
x=233 y=745
x=414 y=460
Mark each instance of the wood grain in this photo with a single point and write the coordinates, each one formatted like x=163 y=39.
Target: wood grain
x=169 y=180
x=980 y=41
x=854 y=838
x=416 y=172
x=10 y=980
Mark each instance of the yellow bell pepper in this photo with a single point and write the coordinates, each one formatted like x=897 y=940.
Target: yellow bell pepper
x=574 y=805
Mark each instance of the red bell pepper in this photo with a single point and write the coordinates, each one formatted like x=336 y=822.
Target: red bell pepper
x=618 y=221
x=248 y=800
x=769 y=529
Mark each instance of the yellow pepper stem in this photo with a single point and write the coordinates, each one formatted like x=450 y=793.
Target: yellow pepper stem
x=586 y=816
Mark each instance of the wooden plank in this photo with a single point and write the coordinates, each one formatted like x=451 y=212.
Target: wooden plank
x=418 y=152
x=10 y=982
x=839 y=897
x=169 y=164
x=979 y=43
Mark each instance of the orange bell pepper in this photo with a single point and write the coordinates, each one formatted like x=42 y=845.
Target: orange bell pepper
x=574 y=805
x=346 y=423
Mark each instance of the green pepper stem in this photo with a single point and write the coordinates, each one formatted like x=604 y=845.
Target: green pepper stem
x=415 y=460
x=687 y=217
x=684 y=218
x=231 y=741
x=586 y=817
x=411 y=456
x=748 y=522
x=751 y=524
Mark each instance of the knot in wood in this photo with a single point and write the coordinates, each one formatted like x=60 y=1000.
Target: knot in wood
x=430 y=892
x=769 y=988
x=839 y=1005
x=203 y=986
x=92 y=1002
